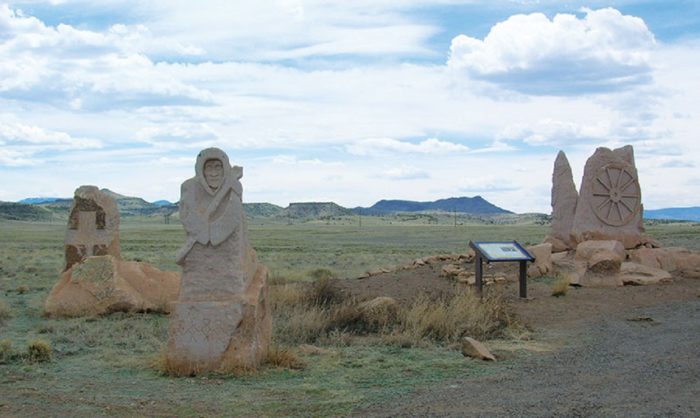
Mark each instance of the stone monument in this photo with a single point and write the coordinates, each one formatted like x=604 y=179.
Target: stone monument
x=610 y=201
x=564 y=200
x=93 y=226
x=96 y=280
x=222 y=318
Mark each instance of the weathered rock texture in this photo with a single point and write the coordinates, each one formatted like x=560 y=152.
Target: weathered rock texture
x=93 y=226
x=222 y=319
x=564 y=200
x=609 y=205
x=676 y=260
x=475 y=349
x=105 y=284
x=96 y=280
x=542 y=265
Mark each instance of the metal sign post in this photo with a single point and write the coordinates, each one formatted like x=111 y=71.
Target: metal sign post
x=498 y=251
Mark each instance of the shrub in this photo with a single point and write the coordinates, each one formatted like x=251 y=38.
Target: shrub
x=22 y=289
x=448 y=319
x=38 y=351
x=5 y=311
x=560 y=287
x=6 y=352
x=325 y=292
x=321 y=274
x=284 y=358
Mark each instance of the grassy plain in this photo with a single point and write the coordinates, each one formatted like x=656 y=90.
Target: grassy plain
x=103 y=365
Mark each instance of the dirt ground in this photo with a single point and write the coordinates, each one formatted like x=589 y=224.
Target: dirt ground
x=627 y=351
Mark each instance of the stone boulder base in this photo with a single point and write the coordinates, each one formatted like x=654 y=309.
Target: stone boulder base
x=227 y=335
x=543 y=260
x=638 y=274
x=597 y=264
x=104 y=284
x=673 y=259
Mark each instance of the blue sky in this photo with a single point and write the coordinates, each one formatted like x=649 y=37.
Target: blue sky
x=348 y=101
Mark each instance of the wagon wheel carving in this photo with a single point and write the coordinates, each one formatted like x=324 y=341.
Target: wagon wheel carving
x=616 y=195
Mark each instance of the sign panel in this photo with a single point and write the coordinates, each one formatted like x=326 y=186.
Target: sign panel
x=502 y=251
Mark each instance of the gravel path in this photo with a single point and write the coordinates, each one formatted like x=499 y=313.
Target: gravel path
x=609 y=367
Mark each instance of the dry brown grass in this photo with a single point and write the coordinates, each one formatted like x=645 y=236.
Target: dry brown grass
x=6 y=351
x=308 y=313
x=450 y=318
x=560 y=287
x=39 y=351
x=284 y=358
x=5 y=310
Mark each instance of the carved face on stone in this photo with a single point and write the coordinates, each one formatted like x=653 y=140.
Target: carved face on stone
x=214 y=173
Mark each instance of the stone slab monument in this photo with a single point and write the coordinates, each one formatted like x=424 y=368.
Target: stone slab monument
x=96 y=280
x=610 y=201
x=222 y=318
x=564 y=201
x=93 y=226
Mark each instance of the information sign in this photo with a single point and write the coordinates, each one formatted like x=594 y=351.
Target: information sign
x=503 y=251
x=496 y=251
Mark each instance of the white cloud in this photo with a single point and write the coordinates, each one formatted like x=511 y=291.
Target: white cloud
x=377 y=146
x=85 y=68
x=405 y=173
x=17 y=133
x=603 y=51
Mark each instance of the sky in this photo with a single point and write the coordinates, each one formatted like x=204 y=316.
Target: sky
x=348 y=101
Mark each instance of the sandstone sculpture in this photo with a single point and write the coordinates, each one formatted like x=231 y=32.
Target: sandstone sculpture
x=609 y=205
x=93 y=226
x=222 y=319
x=96 y=280
x=105 y=284
x=564 y=200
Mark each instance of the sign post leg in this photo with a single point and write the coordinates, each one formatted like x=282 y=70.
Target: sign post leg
x=523 y=279
x=479 y=274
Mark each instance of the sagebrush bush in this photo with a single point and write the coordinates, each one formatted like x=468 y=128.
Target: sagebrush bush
x=307 y=313
x=5 y=311
x=39 y=351
x=284 y=358
x=560 y=287
x=321 y=273
x=6 y=351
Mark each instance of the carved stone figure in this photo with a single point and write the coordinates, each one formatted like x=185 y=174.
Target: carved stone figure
x=222 y=318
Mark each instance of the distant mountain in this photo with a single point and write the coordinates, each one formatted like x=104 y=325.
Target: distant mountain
x=162 y=203
x=314 y=210
x=37 y=200
x=263 y=210
x=23 y=212
x=678 y=214
x=471 y=205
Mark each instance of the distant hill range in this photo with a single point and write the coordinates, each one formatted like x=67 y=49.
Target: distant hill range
x=473 y=205
x=677 y=214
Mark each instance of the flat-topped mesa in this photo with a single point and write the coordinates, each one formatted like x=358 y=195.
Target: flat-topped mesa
x=610 y=201
x=564 y=201
x=93 y=226
x=222 y=319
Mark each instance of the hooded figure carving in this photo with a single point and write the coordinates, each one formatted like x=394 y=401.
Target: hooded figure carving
x=211 y=211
